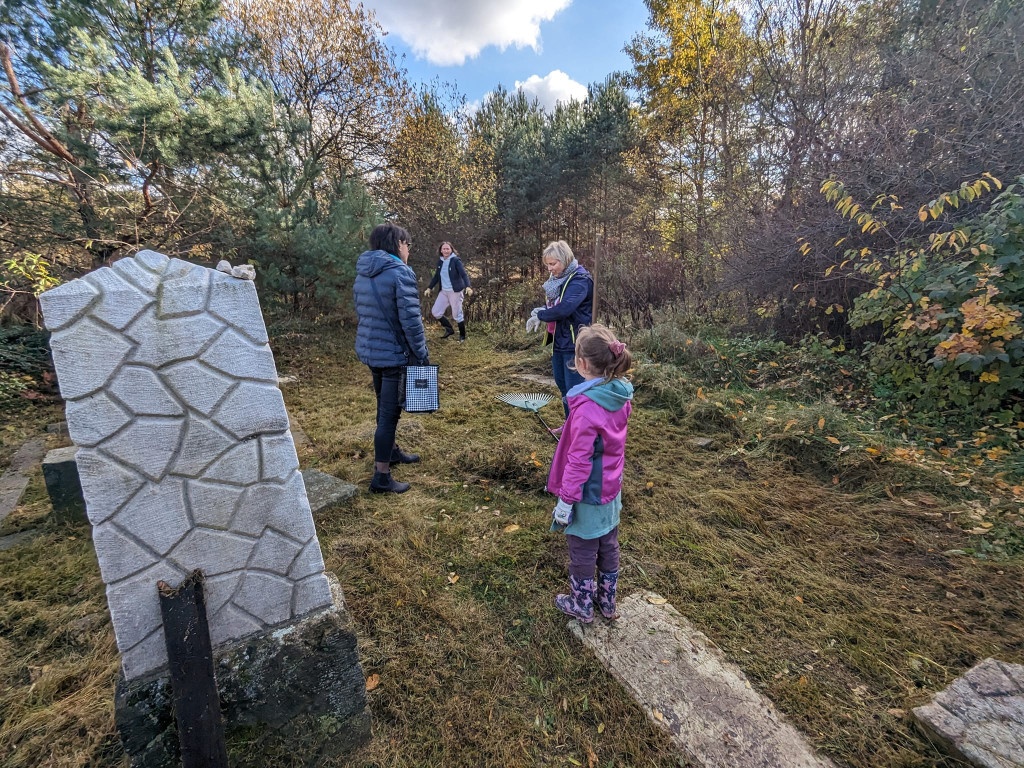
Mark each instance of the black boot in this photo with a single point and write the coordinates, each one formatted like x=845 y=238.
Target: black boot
x=462 y=330
x=397 y=457
x=383 y=482
x=448 y=330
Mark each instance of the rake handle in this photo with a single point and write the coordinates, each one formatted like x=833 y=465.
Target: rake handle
x=553 y=435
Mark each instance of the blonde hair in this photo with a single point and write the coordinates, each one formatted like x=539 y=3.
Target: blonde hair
x=561 y=251
x=604 y=354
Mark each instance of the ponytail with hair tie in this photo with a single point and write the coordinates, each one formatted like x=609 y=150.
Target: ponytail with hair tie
x=605 y=354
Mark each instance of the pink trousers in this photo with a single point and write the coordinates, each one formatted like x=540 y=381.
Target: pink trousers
x=447 y=299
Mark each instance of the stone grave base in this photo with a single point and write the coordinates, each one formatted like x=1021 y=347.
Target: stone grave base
x=980 y=716
x=292 y=696
x=60 y=472
x=325 y=490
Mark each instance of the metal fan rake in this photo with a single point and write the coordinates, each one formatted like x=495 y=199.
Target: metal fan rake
x=529 y=401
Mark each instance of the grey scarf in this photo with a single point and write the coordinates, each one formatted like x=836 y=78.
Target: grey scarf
x=553 y=285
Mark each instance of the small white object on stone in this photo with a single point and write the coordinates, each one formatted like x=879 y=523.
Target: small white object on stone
x=224 y=266
x=244 y=272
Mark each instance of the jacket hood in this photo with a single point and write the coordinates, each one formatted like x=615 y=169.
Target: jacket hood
x=581 y=271
x=611 y=395
x=372 y=263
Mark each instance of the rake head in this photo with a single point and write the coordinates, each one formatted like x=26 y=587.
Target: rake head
x=527 y=401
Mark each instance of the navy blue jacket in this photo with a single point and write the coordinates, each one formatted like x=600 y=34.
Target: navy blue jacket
x=376 y=343
x=572 y=312
x=457 y=272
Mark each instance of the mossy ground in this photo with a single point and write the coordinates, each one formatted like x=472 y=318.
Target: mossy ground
x=834 y=593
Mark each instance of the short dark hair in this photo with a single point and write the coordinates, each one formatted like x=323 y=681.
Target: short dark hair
x=386 y=237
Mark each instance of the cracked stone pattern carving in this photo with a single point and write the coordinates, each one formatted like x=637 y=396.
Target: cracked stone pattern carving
x=980 y=716
x=186 y=459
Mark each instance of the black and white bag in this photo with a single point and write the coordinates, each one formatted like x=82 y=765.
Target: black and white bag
x=421 y=391
x=421 y=395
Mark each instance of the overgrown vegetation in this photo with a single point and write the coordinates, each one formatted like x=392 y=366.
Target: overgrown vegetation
x=837 y=579
x=810 y=226
x=949 y=312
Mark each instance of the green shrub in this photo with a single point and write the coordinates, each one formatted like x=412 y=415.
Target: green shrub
x=953 y=340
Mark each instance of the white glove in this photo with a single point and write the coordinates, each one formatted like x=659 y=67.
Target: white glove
x=426 y=293
x=534 y=323
x=562 y=513
x=468 y=291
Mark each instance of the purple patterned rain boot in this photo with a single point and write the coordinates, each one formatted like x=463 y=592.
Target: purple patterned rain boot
x=607 y=583
x=579 y=603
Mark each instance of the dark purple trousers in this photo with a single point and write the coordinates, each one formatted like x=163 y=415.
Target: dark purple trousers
x=584 y=554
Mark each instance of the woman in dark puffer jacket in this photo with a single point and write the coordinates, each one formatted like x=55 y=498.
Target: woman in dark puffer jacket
x=390 y=336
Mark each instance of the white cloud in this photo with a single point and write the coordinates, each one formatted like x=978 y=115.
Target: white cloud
x=447 y=32
x=554 y=87
x=470 y=108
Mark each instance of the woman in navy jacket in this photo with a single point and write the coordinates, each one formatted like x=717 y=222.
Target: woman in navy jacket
x=390 y=336
x=454 y=282
x=569 y=291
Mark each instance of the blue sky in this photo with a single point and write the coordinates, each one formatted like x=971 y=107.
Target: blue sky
x=461 y=41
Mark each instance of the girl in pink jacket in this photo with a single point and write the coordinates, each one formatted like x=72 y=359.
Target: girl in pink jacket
x=586 y=473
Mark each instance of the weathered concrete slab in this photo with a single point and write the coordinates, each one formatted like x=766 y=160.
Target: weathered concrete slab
x=302 y=441
x=28 y=456
x=60 y=472
x=980 y=716
x=687 y=687
x=547 y=381
x=14 y=539
x=12 y=485
x=325 y=490
x=15 y=480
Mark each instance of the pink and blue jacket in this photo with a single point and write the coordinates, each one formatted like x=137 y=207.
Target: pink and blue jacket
x=588 y=461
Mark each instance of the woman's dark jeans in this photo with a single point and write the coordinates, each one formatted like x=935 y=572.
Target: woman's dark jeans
x=389 y=386
x=565 y=377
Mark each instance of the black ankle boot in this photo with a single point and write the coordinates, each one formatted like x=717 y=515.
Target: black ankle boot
x=462 y=330
x=383 y=482
x=397 y=457
x=448 y=330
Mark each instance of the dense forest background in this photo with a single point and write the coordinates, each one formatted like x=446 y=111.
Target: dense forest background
x=827 y=169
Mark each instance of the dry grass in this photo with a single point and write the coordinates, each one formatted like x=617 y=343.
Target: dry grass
x=480 y=669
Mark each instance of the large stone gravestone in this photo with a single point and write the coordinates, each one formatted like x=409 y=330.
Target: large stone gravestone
x=185 y=457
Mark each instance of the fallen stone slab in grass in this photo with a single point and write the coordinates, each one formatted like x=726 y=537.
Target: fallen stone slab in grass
x=12 y=485
x=547 y=381
x=980 y=716
x=325 y=490
x=15 y=480
x=14 y=539
x=28 y=456
x=688 y=688
x=299 y=437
